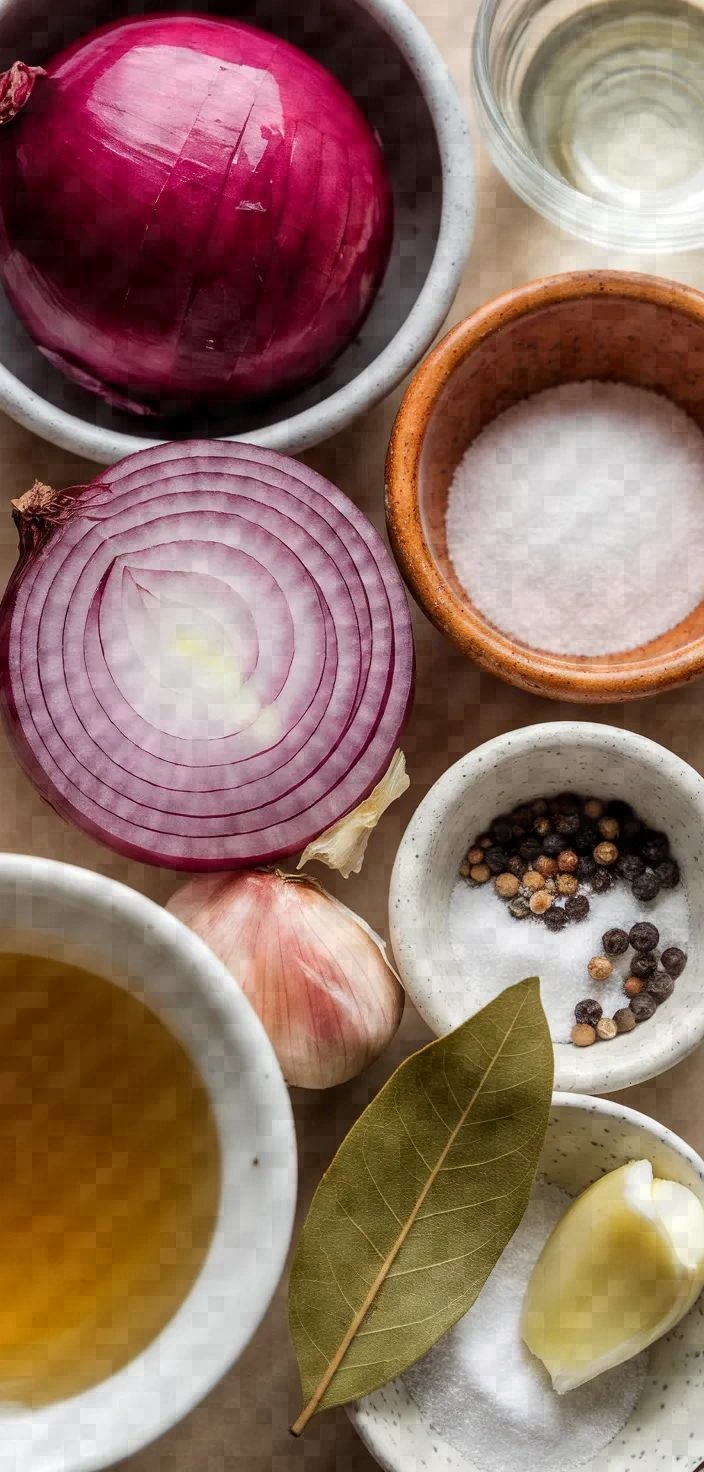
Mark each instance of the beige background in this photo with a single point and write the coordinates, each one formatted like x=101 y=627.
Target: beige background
x=243 y=1424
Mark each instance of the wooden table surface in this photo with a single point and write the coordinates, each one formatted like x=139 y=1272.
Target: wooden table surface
x=244 y=1423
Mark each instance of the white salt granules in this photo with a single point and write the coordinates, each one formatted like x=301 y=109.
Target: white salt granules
x=493 y=950
x=486 y=1395
x=575 y=520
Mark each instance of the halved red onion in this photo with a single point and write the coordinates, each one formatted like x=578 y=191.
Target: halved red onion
x=206 y=655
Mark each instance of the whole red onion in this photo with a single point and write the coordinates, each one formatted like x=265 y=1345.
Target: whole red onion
x=193 y=210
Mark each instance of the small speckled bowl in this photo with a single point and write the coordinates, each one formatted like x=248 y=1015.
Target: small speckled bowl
x=585 y=1139
x=542 y=760
x=616 y=325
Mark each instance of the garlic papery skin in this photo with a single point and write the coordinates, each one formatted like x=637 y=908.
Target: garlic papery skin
x=344 y=845
x=316 y=975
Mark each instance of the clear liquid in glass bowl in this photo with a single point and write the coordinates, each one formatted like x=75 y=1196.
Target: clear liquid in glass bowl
x=595 y=114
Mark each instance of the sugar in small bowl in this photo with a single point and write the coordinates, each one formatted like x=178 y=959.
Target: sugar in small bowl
x=544 y=481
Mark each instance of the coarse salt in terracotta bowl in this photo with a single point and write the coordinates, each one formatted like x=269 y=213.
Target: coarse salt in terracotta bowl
x=560 y=756
x=665 y=1430
x=607 y=325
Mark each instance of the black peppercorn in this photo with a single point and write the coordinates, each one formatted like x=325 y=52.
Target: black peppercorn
x=643 y=965
x=615 y=942
x=601 y=881
x=530 y=847
x=674 y=961
x=539 y=807
x=555 y=918
x=586 y=867
x=523 y=817
x=577 y=908
x=632 y=833
x=568 y=802
x=519 y=908
x=501 y=831
x=624 y=1019
x=668 y=873
x=660 y=986
x=586 y=838
x=567 y=824
x=617 y=808
x=644 y=936
x=553 y=845
x=496 y=859
x=655 y=848
x=589 y=1011
x=516 y=865
x=629 y=866
x=646 y=886
x=643 y=1006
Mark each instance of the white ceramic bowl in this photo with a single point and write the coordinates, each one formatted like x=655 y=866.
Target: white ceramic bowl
x=550 y=758
x=385 y=57
x=53 y=909
x=586 y=1138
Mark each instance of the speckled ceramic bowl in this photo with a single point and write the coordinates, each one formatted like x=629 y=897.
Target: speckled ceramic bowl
x=550 y=758
x=585 y=1139
x=72 y=915
x=385 y=57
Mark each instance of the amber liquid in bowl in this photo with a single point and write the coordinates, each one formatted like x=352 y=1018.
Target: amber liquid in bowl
x=109 y=1178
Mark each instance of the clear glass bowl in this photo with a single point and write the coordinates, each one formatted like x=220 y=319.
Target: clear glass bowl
x=593 y=110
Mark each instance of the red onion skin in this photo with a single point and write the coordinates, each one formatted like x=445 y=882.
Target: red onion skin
x=16 y=89
x=101 y=816
x=193 y=211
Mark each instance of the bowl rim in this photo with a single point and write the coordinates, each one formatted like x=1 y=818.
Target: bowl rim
x=538 y=671
x=408 y=888
x=307 y=428
x=188 y=1357
x=376 y=1431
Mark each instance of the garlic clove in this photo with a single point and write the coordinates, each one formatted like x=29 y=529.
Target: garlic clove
x=621 y=1269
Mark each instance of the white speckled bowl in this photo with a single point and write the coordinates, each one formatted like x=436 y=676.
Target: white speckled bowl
x=56 y=910
x=586 y=1138
x=385 y=57
x=550 y=758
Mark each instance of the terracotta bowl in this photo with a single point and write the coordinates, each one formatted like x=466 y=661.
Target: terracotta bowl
x=613 y=325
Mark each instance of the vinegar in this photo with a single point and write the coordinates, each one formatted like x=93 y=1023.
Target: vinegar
x=109 y=1178
x=613 y=101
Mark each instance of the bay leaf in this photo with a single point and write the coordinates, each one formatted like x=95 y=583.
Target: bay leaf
x=420 y=1201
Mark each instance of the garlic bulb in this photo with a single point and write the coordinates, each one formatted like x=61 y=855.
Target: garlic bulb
x=315 y=973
